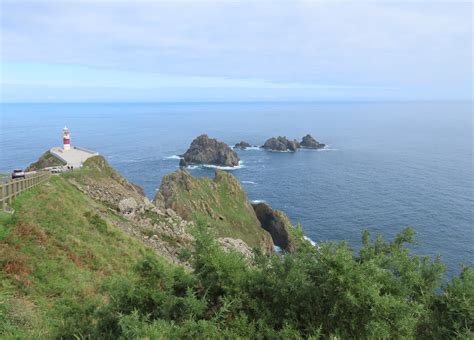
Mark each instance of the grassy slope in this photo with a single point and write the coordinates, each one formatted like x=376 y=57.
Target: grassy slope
x=46 y=160
x=54 y=253
x=223 y=205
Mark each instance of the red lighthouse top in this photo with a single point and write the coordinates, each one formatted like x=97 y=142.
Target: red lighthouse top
x=66 y=138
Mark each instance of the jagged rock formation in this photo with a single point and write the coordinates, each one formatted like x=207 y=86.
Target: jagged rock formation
x=232 y=244
x=45 y=161
x=163 y=230
x=281 y=144
x=277 y=224
x=205 y=150
x=221 y=203
x=309 y=142
x=103 y=183
x=242 y=145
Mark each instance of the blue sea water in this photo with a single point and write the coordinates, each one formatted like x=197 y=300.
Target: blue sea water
x=388 y=165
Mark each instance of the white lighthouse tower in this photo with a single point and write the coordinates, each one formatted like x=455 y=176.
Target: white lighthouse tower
x=66 y=139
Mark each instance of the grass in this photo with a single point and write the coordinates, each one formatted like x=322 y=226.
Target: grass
x=224 y=206
x=5 y=218
x=55 y=252
x=46 y=160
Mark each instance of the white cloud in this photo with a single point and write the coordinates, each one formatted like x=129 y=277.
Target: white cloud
x=392 y=44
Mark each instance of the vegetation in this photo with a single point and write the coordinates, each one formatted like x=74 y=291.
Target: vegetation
x=46 y=160
x=220 y=203
x=67 y=271
x=55 y=252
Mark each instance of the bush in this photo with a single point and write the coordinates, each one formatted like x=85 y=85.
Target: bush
x=382 y=292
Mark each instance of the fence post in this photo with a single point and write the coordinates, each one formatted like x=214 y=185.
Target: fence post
x=3 y=194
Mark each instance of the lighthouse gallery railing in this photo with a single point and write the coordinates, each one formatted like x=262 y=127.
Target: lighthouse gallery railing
x=9 y=188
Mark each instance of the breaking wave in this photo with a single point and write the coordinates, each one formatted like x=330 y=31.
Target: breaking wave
x=328 y=148
x=248 y=182
x=173 y=157
x=250 y=148
x=211 y=166
x=310 y=241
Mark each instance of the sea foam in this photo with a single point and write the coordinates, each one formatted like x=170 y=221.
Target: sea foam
x=249 y=182
x=173 y=157
x=211 y=166
x=310 y=241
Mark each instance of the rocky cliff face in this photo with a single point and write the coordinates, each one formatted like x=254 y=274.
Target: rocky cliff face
x=281 y=144
x=220 y=203
x=309 y=142
x=163 y=230
x=205 y=150
x=277 y=224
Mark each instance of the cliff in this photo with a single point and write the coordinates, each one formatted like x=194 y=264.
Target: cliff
x=221 y=203
x=283 y=233
x=86 y=255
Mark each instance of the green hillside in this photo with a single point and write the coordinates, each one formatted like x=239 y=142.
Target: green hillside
x=221 y=203
x=68 y=271
x=54 y=253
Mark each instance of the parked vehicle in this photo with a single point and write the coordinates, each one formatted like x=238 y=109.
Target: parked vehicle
x=56 y=170
x=18 y=173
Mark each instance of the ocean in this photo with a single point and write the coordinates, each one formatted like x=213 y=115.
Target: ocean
x=388 y=165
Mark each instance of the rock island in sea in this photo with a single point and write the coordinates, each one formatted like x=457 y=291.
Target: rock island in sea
x=205 y=150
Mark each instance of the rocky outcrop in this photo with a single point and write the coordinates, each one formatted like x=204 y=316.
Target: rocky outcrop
x=100 y=181
x=242 y=145
x=277 y=224
x=205 y=150
x=161 y=229
x=232 y=244
x=128 y=206
x=281 y=144
x=45 y=161
x=309 y=142
x=220 y=203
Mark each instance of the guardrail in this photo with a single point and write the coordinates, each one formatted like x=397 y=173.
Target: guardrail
x=9 y=188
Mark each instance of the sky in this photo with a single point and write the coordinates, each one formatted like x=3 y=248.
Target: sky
x=135 y=51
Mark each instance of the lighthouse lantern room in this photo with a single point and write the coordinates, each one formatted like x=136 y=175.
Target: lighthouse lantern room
x=66 y=139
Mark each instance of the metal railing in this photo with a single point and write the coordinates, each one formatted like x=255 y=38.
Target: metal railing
x=9 y=188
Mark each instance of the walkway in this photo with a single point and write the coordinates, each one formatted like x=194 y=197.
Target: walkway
x=75 y=157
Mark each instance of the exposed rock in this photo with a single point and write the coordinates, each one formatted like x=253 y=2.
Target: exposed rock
x=233 y=244
x=277 y=224
x=103 y=183
x=309 y=142
x=242 y=145
x=128 y=205
x=205 y=150
x=220 y=203
x=281 y=144
x=139 y=189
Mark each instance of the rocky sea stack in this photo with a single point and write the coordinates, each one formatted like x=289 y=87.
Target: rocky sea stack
x=242 y=145
x=205 y=150
x=281 y=144
x=308 y=142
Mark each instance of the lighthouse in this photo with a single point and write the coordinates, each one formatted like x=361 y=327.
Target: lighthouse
x=66 y=139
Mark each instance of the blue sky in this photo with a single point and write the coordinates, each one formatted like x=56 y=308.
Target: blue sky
x=81 y=51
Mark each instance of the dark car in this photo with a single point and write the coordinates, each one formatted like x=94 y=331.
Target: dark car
x=18 y=173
